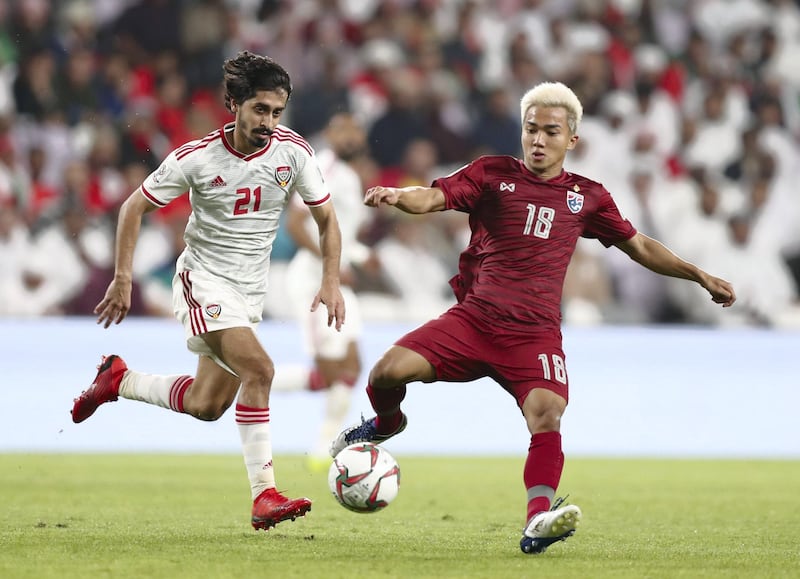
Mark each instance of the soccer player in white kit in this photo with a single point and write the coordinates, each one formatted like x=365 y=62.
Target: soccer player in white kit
x=239 y=178
x=336 y=360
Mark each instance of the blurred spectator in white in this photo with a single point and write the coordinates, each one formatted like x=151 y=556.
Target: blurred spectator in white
x=716 y=142
x=608 y=142
x=588 y=291
x=160 y=244
x=532 y=23
x=641 y=296
x=369 y=89
x=413 y=270
x=15 y=250
x=591 y=74
x=66 y=255
x=764 y=284
x=656 y=122
x=700 y=237
x=717 y=20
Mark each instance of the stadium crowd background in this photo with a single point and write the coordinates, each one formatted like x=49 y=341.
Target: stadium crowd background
x=692 y=121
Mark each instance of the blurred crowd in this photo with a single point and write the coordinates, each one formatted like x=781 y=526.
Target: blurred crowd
x=692 y=121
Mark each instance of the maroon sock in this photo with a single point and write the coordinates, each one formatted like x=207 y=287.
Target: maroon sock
x=386 y=403
x=543 y=471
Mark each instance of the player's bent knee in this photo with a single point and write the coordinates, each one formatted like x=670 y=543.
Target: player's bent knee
x=208 y=411
x=390 y=372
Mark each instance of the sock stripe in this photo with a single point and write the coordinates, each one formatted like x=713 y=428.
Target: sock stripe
x=248 y=415
x=178 y=391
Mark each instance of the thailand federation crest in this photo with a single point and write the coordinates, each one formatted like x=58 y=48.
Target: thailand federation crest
x=283 y=174
x=574 y=201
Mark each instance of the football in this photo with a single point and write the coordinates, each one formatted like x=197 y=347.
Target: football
x=364 y=477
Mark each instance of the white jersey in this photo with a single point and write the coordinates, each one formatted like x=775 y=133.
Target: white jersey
x=347 y=194
x=236 y=201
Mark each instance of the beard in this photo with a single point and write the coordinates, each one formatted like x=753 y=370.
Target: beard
x=260 y=138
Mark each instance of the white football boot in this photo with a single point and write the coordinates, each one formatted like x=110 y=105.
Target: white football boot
x=548 y=527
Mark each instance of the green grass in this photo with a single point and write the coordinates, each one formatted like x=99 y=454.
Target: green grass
x=171 y=516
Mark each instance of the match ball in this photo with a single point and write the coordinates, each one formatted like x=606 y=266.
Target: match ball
x=364 y=477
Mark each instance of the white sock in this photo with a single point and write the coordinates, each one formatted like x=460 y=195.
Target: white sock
x=290 y=378
x=164 y=391
x=337 y=404
x=254 y=431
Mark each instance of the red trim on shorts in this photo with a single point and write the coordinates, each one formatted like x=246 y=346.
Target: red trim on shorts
x=196 y=318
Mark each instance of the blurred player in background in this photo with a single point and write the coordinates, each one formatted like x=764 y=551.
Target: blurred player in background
x=336 y=359
x=526 y=217
x=239 y=178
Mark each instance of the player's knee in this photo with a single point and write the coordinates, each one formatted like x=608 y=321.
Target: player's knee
x=544 y=419
x=387 y=373
x=210 y=410
x=258 y=376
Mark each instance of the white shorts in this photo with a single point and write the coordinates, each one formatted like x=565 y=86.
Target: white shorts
x=203 y=303
x=320 y=340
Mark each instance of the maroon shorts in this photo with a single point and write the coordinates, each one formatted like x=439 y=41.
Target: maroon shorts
x=462 y=348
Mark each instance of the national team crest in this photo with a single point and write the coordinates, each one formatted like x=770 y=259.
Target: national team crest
x=160 y=173
x=283 y=174
x=214 y=310
x=574 y=201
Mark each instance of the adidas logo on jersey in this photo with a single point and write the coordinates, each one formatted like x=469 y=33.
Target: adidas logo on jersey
x=217 y=182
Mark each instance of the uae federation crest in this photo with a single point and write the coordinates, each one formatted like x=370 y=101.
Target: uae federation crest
x=575 y=200
x=283 y=174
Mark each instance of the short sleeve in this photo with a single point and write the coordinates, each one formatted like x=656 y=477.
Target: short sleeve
x=166 y=183
x=607 y=223
x=310 y=184
x=464 y=187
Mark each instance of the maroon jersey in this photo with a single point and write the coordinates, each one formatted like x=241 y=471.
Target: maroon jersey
x=524 y=231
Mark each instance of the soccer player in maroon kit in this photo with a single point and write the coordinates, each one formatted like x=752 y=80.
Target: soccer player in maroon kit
x=526 y=217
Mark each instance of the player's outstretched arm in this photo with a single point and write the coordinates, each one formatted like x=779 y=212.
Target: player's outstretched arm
x=656 y=257
x=330 y=244
x=408 y=199
x=116 y=303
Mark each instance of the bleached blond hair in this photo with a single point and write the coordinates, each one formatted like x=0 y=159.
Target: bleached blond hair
x=554 y=94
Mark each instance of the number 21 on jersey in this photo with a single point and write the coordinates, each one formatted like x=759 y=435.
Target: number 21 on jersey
x=248 y=200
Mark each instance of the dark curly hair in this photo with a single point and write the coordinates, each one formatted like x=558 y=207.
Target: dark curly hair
x=249 y=73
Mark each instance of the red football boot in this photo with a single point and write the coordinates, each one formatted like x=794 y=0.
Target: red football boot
x=271 y=507
x=105 y=388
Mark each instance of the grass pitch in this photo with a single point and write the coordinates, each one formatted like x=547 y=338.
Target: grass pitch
x=153 y=516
